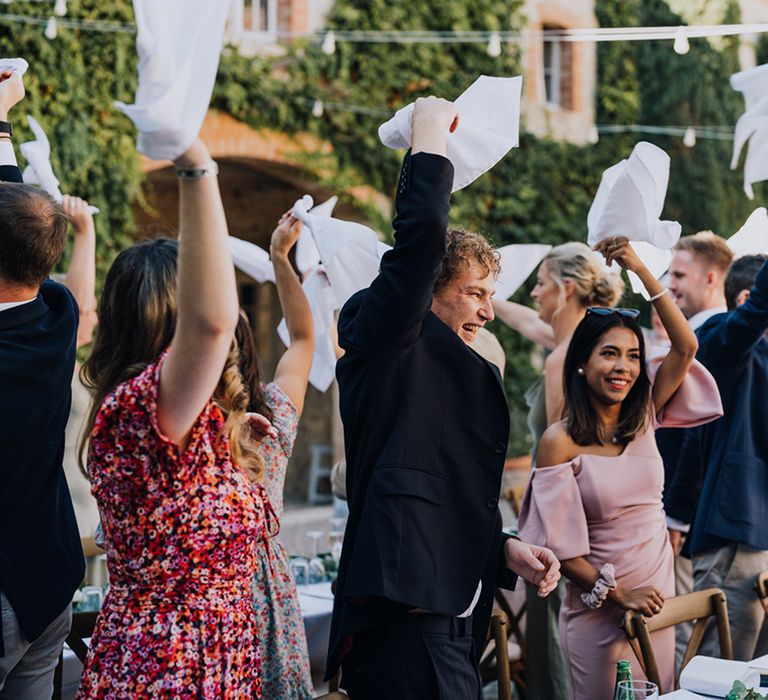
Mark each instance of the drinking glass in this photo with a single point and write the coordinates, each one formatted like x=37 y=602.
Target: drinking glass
x=336 y=537
x=300 y=570
x=636 y=690
x=316 y=567
x=93 y=596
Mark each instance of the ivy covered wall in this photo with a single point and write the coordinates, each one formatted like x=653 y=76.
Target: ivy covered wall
x=71 y=83
x=540 y=192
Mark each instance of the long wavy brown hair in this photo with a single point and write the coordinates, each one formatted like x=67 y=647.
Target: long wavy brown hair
x=137 y=319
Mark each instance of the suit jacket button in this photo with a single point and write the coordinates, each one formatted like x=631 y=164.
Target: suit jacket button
x=492 y=502
x=500 y=448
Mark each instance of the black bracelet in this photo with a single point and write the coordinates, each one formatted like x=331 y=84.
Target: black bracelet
x=210 y=170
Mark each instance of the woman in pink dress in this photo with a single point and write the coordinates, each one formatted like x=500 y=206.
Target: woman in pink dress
x=595 y=495
x=170 y=446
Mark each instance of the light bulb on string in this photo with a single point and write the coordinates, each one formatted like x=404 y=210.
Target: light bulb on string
x=60 y=8
x=689 y=138
x=51 y=28
x=328 y=46
x=494 y=45
x=681 y=45
x=594 y=135
x=318 y=109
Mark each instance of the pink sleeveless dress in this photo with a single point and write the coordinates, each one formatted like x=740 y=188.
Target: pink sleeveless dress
x=609 y=510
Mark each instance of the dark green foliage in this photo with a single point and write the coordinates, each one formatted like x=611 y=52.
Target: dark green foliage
x=71 y=84
x=693 y=90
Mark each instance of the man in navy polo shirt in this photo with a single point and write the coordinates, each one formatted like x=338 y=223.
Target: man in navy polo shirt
x=41 y=561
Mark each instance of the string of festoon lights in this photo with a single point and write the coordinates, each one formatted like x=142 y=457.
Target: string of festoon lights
x=689 y=134
x=494 y=40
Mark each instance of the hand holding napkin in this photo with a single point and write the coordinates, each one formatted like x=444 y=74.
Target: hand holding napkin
x=488 y=129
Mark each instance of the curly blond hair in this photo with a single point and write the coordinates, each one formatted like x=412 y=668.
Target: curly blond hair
x=233 y=398
x=462 y=248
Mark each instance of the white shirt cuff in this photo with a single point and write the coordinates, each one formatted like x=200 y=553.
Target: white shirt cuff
x=679 y=525
x=7 y=154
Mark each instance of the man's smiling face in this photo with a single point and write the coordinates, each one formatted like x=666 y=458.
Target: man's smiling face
x=464 y=304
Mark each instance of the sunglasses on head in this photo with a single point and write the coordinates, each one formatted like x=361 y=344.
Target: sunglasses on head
x=608 y=310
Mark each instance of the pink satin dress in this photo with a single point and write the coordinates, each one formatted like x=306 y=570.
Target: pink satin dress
x=609 y=510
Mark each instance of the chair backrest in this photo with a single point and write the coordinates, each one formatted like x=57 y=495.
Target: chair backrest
x=83 y=624
x=762 y=589
x=695 y=607
x=494 y=663
x=515 y=494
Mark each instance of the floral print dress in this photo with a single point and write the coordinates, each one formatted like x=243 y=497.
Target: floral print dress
x=181 y=531
x=282 y=640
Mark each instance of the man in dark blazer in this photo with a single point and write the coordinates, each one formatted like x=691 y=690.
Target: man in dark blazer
x=728 y=540
x=41 y=561
x=426 y=426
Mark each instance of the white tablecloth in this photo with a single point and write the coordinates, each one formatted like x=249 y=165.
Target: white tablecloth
x=316 y=601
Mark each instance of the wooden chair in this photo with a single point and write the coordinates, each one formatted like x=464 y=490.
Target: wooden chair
x=503 y=658
x=695 y=607
x=514 y=494
x=761 y=586
x=83 y=624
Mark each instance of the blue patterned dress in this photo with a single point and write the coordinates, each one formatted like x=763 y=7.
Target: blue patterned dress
x=282 y=640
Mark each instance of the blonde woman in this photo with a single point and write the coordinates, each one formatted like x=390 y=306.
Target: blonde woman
x=571 y=278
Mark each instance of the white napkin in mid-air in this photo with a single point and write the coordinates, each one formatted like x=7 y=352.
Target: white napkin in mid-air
x=630 y=198
x=179 y=43
x=39 y=170
x=350 y=252
x=752 y=126
x=251 y=259
x=322 y=302
x=629 y=202
x=489 y=126
x=307 y=257
x=752 y=237
x=517 y=262
x=16 y=64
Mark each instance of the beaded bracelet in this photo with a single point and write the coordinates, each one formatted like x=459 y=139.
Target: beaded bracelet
x=606 y=582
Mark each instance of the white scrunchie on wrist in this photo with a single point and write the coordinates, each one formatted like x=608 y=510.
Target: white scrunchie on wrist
x=606 y=582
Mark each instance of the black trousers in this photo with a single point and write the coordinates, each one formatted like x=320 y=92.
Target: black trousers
x=413 y=657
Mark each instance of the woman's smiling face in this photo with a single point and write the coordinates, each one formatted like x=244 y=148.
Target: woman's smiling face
x=614 y=365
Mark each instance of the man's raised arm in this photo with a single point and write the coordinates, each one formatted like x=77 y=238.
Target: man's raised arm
x=11 y=92
x=390 y=313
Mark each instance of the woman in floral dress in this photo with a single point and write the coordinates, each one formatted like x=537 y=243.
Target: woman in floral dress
x=282 y=641
x=182 y=523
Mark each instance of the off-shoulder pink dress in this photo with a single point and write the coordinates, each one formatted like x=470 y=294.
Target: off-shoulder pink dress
x=609 y=510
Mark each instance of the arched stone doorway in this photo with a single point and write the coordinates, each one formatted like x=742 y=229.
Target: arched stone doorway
x=255 y=193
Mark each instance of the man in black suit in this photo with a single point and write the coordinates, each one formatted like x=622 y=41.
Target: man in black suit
x=41 y=561
x=426 y=426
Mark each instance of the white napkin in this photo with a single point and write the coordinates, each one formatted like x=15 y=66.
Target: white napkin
x=630 y=199
x=322 y=302
x=15 y=64
x=350 y=252
x=752 y=237
x=752 y=125
x=657 y=260
x=307 y=257
x=39 y=170
x=712 y=676
x=251 y=259
x=489 y=125
x=179 y=43
x=517 y=263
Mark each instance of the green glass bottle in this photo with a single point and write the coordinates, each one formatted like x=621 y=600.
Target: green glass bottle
x=623 y=673
x=733 y=695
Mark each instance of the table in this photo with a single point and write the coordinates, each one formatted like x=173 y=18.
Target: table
x=316 y=602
